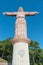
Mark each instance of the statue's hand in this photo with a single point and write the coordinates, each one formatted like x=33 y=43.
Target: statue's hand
x=36 y=12
x=4 y=13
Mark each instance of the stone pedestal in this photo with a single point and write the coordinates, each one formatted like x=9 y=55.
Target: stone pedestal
x=20 y=54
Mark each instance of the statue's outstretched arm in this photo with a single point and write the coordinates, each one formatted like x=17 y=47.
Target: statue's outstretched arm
x=31 y=13
x=10 y=13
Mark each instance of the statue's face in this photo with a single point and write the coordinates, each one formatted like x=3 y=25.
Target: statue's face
x=20 y=9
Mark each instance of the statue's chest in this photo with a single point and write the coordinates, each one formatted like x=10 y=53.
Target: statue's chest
x=20 y=14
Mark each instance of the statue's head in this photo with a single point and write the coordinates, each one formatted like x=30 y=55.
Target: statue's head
x=20 y=9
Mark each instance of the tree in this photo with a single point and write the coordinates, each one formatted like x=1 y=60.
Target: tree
x=35 y=53
x=6 y=52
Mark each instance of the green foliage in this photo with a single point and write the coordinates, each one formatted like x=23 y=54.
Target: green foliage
x=6 y=50
x=36 y=53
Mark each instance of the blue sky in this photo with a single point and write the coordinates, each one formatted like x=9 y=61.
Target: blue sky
x=34 y=23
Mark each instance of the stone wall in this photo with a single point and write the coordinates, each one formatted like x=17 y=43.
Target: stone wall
x=5 y=63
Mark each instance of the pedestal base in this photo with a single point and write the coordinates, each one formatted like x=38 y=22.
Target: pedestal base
x=20 y=54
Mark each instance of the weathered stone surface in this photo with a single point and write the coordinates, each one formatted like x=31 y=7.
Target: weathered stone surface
x=5 y=63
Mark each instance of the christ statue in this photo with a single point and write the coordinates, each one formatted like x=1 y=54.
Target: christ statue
x=20 y=30
x=20 y=42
